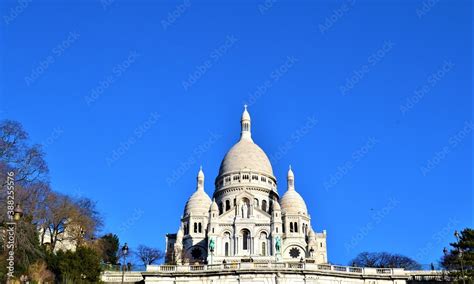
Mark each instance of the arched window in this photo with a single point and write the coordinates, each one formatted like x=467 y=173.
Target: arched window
x=227 y=205
x=264 y=248
x=195 y=227
x=277 y=229
x=296 y=227
x=291 y=227
x=245 y=239
x=221 y=208
x=226 y=249
x=200 y=228
x=256 y=202
x=264 y=205
x=283 y=227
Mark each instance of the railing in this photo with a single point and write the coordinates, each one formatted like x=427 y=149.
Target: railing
x=116 y=277
x=278 y=266
x=355 y=269
x=384 y=271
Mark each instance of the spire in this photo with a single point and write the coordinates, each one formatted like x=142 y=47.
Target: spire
x=200 y=179
x=291 y=179
x=245 y=125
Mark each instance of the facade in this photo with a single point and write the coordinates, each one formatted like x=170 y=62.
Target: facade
x=247 y=233
x=246 y=220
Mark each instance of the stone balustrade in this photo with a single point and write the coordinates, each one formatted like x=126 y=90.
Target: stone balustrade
x=116 y=277
x=276 y=266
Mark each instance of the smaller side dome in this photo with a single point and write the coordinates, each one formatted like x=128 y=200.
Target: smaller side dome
x=199 y=202
x=292 y=202
x=214 y=206
x=276 y=206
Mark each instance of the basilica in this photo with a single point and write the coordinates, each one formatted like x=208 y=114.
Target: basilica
x=246 y=220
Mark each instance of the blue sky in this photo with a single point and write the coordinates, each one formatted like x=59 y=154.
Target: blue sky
x=369 y=101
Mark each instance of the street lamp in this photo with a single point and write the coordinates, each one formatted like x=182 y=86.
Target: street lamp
x=456 y=234
x=124 y=254
x=17 y=213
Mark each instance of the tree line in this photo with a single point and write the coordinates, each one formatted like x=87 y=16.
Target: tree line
x=59 y=236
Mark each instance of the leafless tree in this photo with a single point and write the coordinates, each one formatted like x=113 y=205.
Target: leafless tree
x=27 y=161
x=384 y=260
x=149 y=255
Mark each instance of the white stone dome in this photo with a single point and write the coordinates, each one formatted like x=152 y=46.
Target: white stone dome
x=198 y=203
x=293 y=203
x=246 y=155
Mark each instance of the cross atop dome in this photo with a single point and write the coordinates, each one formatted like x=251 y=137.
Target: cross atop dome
x=245 y=125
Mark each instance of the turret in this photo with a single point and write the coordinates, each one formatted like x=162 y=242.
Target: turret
x=245 y=125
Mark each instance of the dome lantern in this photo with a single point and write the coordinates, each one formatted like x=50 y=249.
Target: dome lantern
x=291 y=179
x=245 y=125
x=200 y=179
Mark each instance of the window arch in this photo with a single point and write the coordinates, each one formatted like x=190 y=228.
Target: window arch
x=291 y=227
x=245 y=239
x=264 y=205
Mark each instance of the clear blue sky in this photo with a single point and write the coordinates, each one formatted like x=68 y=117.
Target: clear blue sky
x=369 y=101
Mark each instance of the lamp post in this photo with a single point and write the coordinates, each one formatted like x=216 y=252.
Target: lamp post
x=456 y=234
x=17 y=213
x=124 y=254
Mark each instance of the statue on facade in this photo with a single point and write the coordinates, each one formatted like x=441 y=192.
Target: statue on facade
x=212 y=245
x=245 y=210
x=278 y=244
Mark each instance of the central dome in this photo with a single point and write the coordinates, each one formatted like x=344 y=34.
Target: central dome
x=246 y=155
